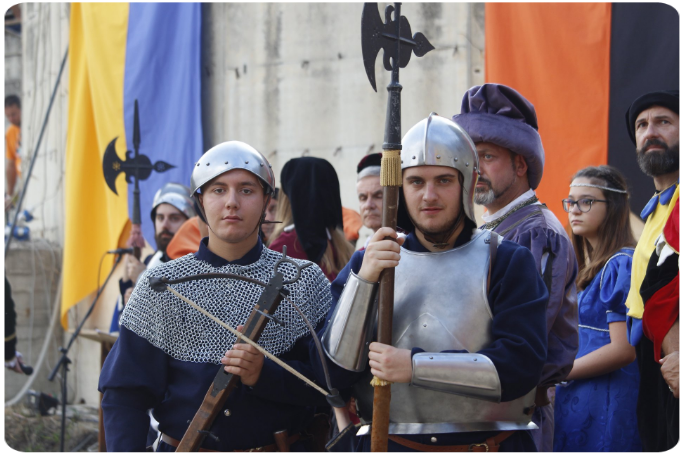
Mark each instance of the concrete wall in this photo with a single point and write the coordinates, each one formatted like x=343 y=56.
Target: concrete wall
x=289 y=78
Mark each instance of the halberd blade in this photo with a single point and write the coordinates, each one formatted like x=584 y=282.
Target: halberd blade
x=371 y=39
x=111 y=165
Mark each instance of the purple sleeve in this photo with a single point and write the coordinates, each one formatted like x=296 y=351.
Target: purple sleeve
x=556 y=261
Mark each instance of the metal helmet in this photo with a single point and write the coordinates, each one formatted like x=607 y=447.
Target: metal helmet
x=177 y=195
x=228 y=156
x=438 y=141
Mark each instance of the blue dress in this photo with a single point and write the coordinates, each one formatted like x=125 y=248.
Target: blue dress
x=599 y=413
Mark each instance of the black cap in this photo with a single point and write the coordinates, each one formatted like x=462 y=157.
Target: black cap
x=665 y=98
x=369 y=160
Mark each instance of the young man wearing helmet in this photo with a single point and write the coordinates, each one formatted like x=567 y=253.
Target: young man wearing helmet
x=469 y=342
x=168 y=353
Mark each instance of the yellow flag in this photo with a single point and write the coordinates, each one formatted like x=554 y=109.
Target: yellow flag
x=95 y=216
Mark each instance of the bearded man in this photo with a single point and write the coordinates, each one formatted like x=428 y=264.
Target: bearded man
x=503 y=125
x=469 y=339
x=653 y=125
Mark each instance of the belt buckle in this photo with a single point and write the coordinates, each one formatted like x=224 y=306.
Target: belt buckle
x=472 y=445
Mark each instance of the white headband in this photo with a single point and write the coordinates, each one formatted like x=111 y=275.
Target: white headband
x=600 y=187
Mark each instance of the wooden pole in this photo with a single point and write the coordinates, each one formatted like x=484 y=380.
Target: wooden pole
x=390 y=179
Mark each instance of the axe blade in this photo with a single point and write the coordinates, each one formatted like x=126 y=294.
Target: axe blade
x=371 y=39
x=111 y=165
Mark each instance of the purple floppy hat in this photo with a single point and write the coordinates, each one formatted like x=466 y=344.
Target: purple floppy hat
x=499 y=114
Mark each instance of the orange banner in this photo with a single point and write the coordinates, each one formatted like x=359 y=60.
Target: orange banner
x=557 y=55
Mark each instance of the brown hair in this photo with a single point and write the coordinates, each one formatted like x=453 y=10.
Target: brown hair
x=339 y=250
x=615 y=231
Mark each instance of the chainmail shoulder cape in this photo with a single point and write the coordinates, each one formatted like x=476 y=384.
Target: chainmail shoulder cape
x=185 y=334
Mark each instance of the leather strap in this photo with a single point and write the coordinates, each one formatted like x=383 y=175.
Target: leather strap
x=268 y=448
x=491 y=444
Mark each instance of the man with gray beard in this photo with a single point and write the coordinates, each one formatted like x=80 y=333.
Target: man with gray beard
x=652 y=322
x=504 y=128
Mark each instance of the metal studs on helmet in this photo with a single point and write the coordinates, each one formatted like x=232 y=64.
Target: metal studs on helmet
x=177 y=195
x=438 y=141
x=228 y=156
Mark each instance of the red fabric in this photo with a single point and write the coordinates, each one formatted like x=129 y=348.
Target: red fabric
x=671 y=229
x=186 y=240
x=295 y=249
x=661 y=312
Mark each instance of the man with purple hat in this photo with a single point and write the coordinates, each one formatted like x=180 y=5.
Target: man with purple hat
x=503 y=126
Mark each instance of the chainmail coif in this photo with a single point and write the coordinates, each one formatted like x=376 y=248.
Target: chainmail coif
x=185 y=334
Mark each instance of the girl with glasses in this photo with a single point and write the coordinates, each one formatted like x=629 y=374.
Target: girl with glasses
x=595 y=410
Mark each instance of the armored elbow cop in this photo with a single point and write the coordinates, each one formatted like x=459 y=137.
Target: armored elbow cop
x=465 y=374
x=349 y=331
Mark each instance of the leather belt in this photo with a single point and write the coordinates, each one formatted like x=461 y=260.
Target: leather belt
x=268 y=448
x=491 y=444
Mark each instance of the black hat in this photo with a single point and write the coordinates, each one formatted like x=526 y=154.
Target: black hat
x=665 y=98
x=369 y=160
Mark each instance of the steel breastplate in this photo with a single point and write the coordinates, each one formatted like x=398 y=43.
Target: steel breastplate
x=440 y=303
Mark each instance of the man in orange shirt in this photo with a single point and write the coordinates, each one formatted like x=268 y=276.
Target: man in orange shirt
x=12 y=144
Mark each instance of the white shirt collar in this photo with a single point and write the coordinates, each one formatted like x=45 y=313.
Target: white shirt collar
x=520 y=199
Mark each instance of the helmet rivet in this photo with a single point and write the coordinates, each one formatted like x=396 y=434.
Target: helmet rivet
x=438 y=156
x=246 y=162
x=475 y=168
x=413 y=157
x=197 y=163
x=226 y=163
x=455 y=159
x=270 y=166
x=401 y=161
x=207 y=163
x=467 y=164
x=261 y=164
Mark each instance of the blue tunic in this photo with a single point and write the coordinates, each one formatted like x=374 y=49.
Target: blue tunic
x=518 y=300
x=599 y=413
x=138 y=376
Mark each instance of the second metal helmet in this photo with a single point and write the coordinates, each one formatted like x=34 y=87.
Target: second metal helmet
x=228 y=156
x=438 y=141
x=177 y=195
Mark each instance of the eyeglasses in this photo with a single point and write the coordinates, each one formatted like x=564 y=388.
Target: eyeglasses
x=584 y=204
